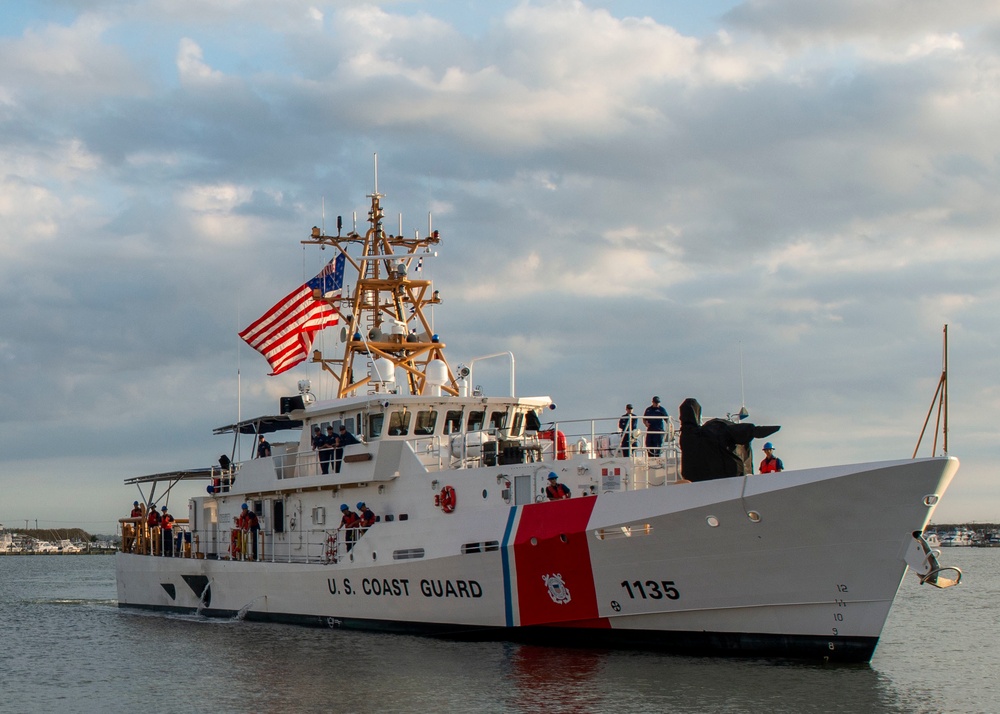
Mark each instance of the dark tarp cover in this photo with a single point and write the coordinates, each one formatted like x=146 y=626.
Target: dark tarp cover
x=717 y=448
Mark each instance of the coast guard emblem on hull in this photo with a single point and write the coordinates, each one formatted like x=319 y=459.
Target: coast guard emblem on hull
x=557 y=588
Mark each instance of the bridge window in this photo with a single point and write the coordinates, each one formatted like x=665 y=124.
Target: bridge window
x=426 y=421
x=498 y=420
x=515 y=428
x=399 y=423
x=475 y=422
x=375 y=422
x=453 y=421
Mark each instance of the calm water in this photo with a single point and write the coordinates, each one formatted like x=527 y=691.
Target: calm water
x=66 y=647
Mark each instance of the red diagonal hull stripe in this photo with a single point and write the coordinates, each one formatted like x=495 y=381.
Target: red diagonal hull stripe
x=551 y=541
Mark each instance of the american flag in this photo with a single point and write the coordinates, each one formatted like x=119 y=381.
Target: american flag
x=284 y=334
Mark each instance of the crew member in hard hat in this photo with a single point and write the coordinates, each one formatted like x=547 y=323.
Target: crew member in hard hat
x=153 y=529
x=556 y=491
x=771 y=463
x=250 y=524
x=129 y=529
x=367 y=515
x=167 y=533
x=349 y=521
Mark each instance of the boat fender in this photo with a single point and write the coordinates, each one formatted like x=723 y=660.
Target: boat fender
x=446 y=499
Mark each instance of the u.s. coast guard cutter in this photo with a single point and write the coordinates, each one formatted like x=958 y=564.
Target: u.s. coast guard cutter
x=803 y=563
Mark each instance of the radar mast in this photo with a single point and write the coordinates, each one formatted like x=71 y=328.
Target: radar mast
x=384 y=323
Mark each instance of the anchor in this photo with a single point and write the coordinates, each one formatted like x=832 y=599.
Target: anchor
x=923 y=560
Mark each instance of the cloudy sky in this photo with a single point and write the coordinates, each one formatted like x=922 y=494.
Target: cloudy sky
x=769 y=198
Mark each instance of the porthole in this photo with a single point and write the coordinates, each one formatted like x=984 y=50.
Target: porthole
x=712 y=522
x=931 y=499
x=753 y=516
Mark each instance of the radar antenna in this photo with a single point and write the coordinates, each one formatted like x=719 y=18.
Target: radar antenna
x=384 y=317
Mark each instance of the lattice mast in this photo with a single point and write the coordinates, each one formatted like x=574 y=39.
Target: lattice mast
x=384 y=317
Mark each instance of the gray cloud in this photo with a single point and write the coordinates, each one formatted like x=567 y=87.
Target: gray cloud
x=627 y=207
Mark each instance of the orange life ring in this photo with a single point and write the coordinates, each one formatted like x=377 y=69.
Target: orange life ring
x=558 y=439
x=446 y=499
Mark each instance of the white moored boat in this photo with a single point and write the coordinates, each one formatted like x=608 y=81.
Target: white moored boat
x=801 y=564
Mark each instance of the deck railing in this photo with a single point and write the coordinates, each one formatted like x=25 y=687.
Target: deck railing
x=322 y=546
x=581 y=438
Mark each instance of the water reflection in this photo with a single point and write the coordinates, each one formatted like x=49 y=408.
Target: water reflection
x=562 y=680
x=555 y=680
x=70 y=649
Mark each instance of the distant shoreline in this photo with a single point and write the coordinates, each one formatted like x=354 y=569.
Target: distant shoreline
x=93 y=551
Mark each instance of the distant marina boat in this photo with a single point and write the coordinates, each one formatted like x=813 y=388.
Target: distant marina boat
x=957 y=537
x=666 y=541
x=21 y=544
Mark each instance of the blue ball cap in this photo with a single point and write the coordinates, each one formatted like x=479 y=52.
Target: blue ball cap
x=135 y=503
x=768 y=446
x=552 y=475
x=164 y=508
x=246 y=507
x=343 y=507
x=361 y=504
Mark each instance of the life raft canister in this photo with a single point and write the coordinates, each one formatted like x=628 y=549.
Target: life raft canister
x=560 y=439
x=446 y=499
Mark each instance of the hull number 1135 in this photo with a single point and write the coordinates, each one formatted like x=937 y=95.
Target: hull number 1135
x=650 y=589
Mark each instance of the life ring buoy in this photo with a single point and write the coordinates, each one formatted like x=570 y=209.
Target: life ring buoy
x=234 y=544
x=558 y=439
x=446 y=499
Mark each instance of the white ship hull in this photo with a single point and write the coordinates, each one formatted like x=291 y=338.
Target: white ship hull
x=796 y=564
x=480 y=517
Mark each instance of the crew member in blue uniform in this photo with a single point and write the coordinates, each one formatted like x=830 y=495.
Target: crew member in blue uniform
x=655 y=420
x=628 y=423
x=345 y=438
x=326 y=449
x=317 y=444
